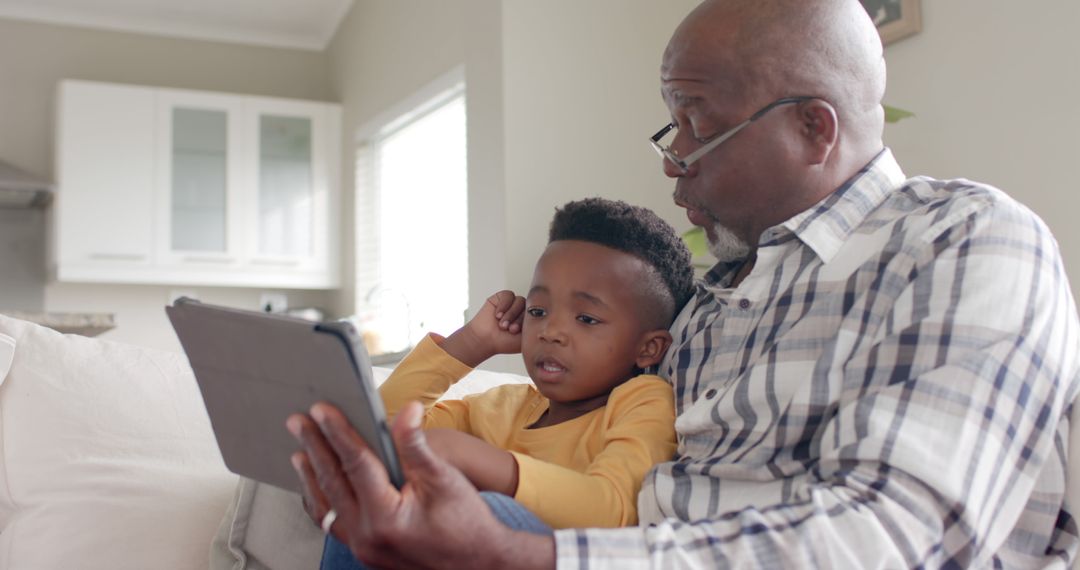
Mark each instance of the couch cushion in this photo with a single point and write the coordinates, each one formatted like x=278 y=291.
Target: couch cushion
x=107 y=459
x=265 y=528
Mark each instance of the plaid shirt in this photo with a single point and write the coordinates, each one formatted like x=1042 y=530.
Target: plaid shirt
x=888 y=388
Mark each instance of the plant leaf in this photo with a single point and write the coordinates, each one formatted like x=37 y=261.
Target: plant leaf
x=895 y=114
x=695 y=241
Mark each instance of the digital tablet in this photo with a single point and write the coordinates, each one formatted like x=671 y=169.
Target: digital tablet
x=255 y=369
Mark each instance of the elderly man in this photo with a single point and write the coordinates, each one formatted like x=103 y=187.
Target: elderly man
x=875 y=374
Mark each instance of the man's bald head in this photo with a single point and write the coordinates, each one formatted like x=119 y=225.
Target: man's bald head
x=761 y=50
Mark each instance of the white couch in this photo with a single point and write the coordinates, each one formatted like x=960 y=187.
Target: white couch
x=107 y=461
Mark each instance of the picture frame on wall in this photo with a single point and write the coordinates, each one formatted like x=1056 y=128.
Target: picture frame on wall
x=895 y=19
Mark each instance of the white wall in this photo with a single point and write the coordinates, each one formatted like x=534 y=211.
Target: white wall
x=22 y=259
x=33 y=58
x=562 y=95
x=582 y=96
x=995 y=86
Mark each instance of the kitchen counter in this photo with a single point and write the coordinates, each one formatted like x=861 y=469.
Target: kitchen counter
x=85 y=324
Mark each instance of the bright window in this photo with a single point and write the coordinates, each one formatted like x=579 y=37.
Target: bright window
x=412 y=251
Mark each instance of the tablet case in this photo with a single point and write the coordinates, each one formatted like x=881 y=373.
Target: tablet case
x=255 y=369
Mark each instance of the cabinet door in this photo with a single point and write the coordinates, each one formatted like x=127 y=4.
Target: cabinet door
x=105 y=201
x=293 y=215
x=200 y=180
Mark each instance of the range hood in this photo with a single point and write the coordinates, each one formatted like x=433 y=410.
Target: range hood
x=21 y=190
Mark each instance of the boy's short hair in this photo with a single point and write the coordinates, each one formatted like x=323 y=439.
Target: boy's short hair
x=639 y=232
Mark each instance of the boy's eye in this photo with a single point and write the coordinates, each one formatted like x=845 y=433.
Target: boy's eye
x=535 y=312
x=588 y=320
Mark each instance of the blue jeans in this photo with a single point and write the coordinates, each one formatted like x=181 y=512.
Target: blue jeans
x=336 y=556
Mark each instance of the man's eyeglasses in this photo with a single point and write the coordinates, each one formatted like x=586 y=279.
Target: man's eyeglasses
x=664 y=150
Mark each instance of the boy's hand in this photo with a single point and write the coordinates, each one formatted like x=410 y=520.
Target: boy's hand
x=496 y=329
x=502 y=313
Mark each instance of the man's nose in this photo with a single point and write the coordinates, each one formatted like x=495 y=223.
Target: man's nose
x=672 y=170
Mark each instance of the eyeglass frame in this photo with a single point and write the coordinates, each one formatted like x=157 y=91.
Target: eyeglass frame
x=684 y=163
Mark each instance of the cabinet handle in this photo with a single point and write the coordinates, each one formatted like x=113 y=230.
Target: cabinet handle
x=278 y=262
x=118 y=256
x=208 y=259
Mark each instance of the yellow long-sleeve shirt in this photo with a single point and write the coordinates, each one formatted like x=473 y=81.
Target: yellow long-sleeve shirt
x=585 y=472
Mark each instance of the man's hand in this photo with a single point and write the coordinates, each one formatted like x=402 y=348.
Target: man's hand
x=496 y=329
x=437 y=520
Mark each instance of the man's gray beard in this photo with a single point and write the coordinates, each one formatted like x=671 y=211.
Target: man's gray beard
x=727 y=246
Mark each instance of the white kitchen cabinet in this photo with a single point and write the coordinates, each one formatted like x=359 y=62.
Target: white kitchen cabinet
x=233 y=190
x=105 y=184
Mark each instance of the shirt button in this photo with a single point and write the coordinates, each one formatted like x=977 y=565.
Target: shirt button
x=744 y=304
x=710 y=394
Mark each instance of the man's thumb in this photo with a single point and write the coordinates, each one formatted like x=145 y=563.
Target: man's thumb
x=413 y=451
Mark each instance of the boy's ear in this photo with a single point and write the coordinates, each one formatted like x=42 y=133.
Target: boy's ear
x=652 y=347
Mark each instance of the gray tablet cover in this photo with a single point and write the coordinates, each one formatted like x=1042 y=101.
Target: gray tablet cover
x=255 y=369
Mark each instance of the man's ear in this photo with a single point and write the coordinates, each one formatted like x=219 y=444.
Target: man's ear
x=652 y=347
x=819 y=128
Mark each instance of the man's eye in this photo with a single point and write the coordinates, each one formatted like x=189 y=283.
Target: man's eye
x=703 y=139
x=535 y=312
x=588 y=320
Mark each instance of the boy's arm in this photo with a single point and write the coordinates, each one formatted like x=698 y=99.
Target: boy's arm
x=640 y=434
x=424 y=375
x=489 y=468
x=436 y=363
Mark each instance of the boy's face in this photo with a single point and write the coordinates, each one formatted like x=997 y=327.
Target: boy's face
x=583 y=333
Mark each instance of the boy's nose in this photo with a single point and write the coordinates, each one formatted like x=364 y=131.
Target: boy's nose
x=552 y=333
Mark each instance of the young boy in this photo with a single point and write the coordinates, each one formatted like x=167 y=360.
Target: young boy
x=574 y=449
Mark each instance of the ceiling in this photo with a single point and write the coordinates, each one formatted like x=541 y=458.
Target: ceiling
x=303 y=24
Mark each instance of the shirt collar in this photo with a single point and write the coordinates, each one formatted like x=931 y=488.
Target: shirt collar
x=826 y=226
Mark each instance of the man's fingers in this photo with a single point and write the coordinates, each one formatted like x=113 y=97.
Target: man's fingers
x=416 y=456
x=429 y=475
x=366 y=475
x=315 y=504
x=323 y=461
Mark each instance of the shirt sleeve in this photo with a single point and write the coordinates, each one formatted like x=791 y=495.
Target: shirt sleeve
x=425 y=375
x=964 y=363
x=640 y=418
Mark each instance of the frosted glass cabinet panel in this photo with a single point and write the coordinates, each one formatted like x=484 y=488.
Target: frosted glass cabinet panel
x=199 y=179
x=185 y=187
x=286 y=186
